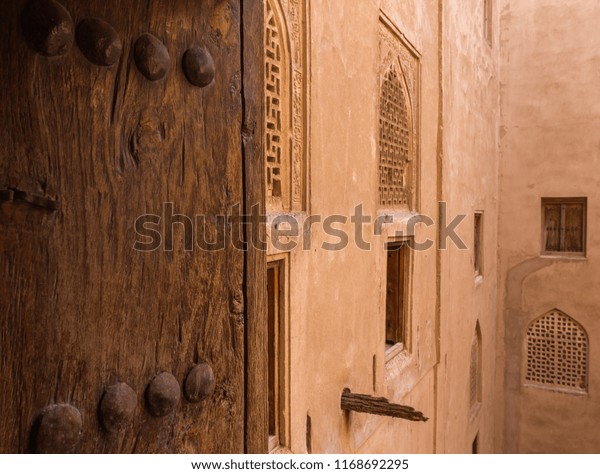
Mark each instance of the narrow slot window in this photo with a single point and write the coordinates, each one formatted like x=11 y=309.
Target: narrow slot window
x=396 y=293
x=276 y=354
x=475 y=375
x=478 y=244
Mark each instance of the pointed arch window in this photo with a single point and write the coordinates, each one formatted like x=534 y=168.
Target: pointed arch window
x=395 y=141
x=285 y=39
x=557 y=353
x=276 y=159
x=475 y=373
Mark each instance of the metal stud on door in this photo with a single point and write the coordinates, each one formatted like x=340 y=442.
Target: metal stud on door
x=112 y=113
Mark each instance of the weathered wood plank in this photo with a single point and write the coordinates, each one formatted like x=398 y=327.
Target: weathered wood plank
x=255 y=274
x=80 y=309
x=378 y=406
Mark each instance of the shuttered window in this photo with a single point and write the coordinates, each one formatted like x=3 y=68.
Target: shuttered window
x=396 y=293
x=277 y=374
x=564 y=223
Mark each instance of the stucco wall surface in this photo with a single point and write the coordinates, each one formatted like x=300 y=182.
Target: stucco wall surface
x=550 y=147
x=340 y=341
x=337 y=298
x=469 y=185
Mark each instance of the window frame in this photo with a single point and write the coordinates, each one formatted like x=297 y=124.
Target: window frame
x=478 y=244
x=280 y=439
x=529 y=358
x=543 y=240
x=404 y=315
x=408 y=179
x=396 y=51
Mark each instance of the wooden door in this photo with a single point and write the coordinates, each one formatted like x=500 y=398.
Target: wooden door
x=106 y=348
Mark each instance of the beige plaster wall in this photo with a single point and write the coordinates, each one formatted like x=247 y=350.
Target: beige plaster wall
x=469 y=184
x=337 y=338
x=550 y=148
x=337 y=298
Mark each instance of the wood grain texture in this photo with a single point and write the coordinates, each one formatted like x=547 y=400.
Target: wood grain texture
x=80 y=309
x=378 y=406
x=256 y=263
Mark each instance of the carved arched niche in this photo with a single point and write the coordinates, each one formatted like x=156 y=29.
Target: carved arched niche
x=557 y=353
x=284 y=105
x=398 y=123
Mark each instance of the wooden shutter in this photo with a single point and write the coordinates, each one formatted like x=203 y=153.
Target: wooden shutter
x=395 y=295
x=573 y=227
x=552 y=227
x=564 y=225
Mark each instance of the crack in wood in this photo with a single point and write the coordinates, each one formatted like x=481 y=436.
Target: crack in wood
x=20 y=196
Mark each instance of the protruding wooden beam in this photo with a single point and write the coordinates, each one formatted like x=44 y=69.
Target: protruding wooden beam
x=378 y=406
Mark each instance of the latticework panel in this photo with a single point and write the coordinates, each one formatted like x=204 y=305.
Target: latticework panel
x=557 y=352
x=273 y=104
x=394 y=142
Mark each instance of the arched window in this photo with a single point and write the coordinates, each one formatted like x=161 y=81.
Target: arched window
x=395 y=140
x=276 y=113
x=557 y=352
x=475 y=375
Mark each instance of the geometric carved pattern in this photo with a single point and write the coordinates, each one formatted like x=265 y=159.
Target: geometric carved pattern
x=557 y=352
x=395 y=135
x=285 y=109
x=274 y=142
x=398 y=115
